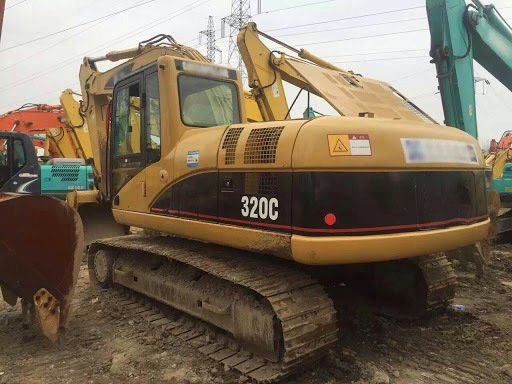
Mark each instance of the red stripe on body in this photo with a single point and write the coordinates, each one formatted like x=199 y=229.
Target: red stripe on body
x=325 y=230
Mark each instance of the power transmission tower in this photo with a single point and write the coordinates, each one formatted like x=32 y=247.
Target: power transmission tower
x=211 y=47
x=240 y=15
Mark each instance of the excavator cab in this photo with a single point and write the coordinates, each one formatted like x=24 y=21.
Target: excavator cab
x=19 y=170
x=202 y=96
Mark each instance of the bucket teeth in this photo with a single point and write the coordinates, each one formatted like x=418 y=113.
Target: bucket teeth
x=47 y=310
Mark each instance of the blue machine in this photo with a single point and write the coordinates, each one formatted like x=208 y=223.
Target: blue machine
x=61 y=176
x=21 y=173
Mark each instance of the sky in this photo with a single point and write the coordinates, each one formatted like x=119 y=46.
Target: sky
x=391 y=47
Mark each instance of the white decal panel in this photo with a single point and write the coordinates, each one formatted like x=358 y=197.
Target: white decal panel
x=438 y=151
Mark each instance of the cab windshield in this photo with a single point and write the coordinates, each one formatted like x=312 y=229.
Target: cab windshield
x=207 y=103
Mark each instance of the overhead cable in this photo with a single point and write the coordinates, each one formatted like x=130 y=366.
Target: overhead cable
x=346 y=18
x=295 y=6
x=72 y=60
x=18 y=3
x=75 y=26
x=351 y=27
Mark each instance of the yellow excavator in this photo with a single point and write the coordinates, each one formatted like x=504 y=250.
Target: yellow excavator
x=266 y=217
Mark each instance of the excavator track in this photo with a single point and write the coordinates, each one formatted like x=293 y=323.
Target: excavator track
x=440 y=279
x=402 y=289
x=422 y=285
x=279 y=318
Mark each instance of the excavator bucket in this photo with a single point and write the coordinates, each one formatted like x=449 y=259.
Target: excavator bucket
x=41 y=248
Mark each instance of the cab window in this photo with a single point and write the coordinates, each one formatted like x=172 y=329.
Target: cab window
x=5 y=173
x=3 y=152
x=127 y=156
x=19 y=159
x=206 y=102
x=127 y=121
x=153 y=129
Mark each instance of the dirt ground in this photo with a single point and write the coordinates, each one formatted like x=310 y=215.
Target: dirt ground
x=105 y=345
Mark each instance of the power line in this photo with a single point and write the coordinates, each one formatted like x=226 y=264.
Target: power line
x=75 y=26
x=154 y=24
x=50 y=47
x=351 y=27
x=332 y=21
x=424 y=95
x=296 y=6
x=383 y=59
x=346 y=18
x=411 y=75
x=117 y=40
x=362 y=37
x=376 y=53
x=54 y=45
x=18 y=3
x=22 y=101
x=498 y=96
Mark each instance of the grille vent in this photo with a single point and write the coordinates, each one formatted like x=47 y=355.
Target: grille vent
x=416 y=111
x=261 y=145
x=66 y=172
x=260 y=184
x=229 y=144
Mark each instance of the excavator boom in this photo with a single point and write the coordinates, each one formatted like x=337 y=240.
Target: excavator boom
x=348 y=93
x=462 y=33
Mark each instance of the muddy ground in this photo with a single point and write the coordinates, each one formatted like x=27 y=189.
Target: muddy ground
x=103 y=344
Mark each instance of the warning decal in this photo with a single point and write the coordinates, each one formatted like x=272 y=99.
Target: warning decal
x=353 y=144
x=340 y=147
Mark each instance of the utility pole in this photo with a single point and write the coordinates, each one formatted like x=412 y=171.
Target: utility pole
x=240 y=15
x=211 y=47
x=2 y=9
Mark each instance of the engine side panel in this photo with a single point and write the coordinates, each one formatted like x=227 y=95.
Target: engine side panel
x=330 y=203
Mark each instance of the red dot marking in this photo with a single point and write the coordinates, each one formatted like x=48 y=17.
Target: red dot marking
x=330 y=219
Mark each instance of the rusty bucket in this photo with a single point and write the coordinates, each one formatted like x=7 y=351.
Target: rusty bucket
x=41 y=247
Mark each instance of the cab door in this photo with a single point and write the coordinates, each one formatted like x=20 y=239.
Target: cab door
x=135 y=142
x=126 y=144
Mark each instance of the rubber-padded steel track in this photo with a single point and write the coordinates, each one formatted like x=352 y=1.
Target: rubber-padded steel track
x=305 y=312
x=440 y=279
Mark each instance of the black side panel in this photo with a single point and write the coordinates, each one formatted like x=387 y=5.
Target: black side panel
x=385 y=202
x=357 y=200
x=330 y=203
x=446 y=195
x=256 y=186
x=195 y=196
x=480 y=194
x=198 y=195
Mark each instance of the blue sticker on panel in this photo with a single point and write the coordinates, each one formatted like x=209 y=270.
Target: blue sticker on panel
x=192 y=159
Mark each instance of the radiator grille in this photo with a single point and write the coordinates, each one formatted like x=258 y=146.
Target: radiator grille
x=260 y=184
x=65 y=172
x=261 y=145
x=229 y=144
